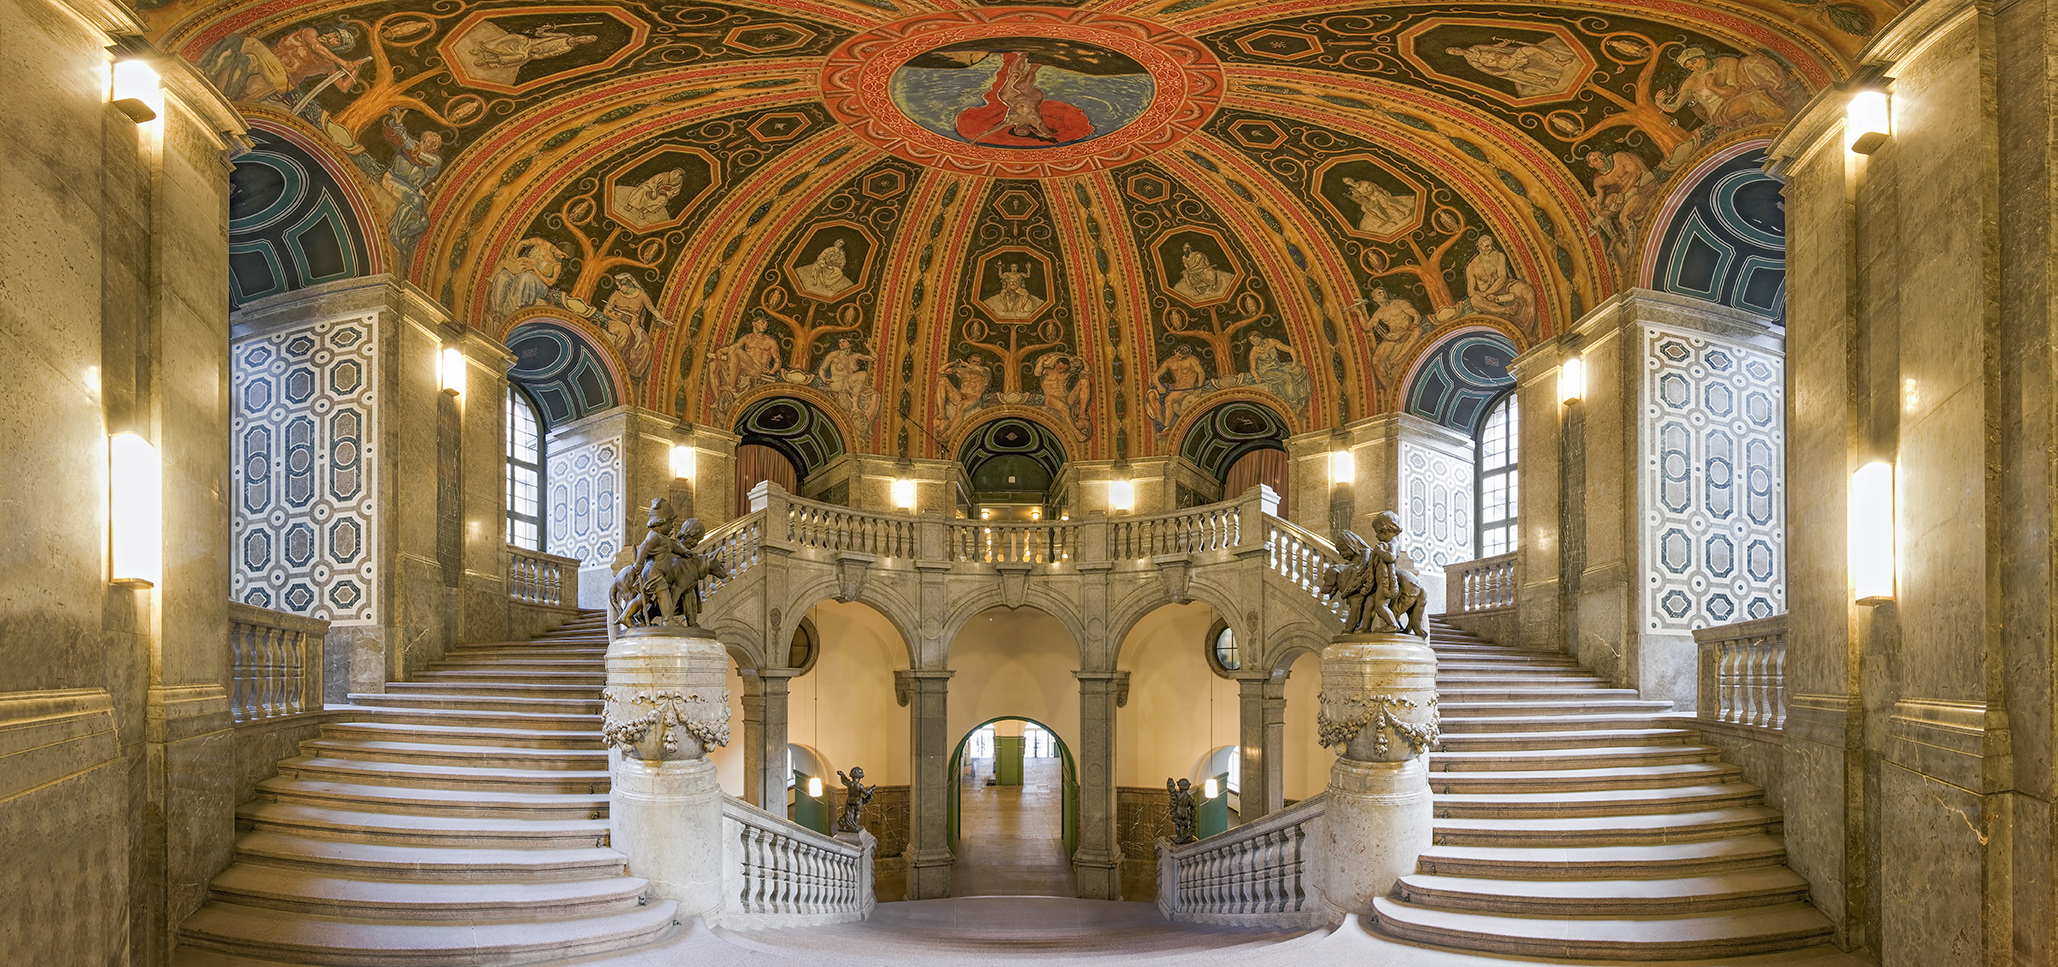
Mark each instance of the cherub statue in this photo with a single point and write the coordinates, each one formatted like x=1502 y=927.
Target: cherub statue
x=662 y=585
x=1181 y=811
x=855 y=795
x=1378 y=591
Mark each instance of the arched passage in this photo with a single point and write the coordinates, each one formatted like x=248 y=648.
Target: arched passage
x=1008 y=839
x=1179 y=709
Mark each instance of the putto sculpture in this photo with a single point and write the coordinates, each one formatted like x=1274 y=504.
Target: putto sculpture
x=1181 y=811
x=855 y=795
x=662 y=585
x=1382 y=596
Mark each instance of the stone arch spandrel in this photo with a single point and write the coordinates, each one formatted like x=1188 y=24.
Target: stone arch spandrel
x=1140 y=602
x=844 y=705
x=885 y=601
x=987 y=596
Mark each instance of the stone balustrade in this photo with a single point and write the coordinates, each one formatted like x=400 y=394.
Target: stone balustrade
x=543 y=580
x=275 y=662
x=1743 y=672
x=1215 y=527
x=834 y=528
x=1259 y=874
x=1010 y=542
x=1487 y=584
x=777 y=873
x=1300 y=557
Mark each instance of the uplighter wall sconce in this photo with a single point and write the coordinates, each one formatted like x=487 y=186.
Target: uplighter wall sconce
x=1342 y=467
x=1121 y=495
x=814 y=787
x=1867 y=121
x=452 y=371
x=904 y=493
x=136 y=90
x=1211 y=788
x=682 y=462
x=1572 y=380
x=1872 y=533
x=135 y=512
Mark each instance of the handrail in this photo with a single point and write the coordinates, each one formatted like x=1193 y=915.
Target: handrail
x=1259 y=873
x=737 y=545
x=1743 y=672
x=275 y=662
x=811 y=523
x=780 y=873
x=1012 y=542
x=544 y=580
x=1300 y=557
x=1184 y=531
x=1486 y=584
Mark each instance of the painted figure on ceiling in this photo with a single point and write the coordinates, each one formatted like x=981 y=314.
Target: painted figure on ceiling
x=1274 y=369
x=741 y=364
x=1175 y=384
x=845 y=375
x=630 y=315
x=246 y=70
x=1015 y=301
x=1199 y=278
x=510 y=51
x=824 y=278
x=1493 y=288
x=417 y=160
x=1062 y=377
x=1536 y=69
x=1730 y=91
x=528 y=278
x=965 y=381
x=1625 y=190
x=1384 y=212
x=650 y=202
x=1394 y=324
x=1017 y=113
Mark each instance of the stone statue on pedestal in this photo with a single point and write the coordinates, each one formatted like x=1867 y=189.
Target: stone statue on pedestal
x=855 y=795
x=1182 y=810
x=1382 y=596
x=662 y=585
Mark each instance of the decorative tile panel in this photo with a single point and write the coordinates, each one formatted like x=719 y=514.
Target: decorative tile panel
x=305 y=528
x=1714 y=497
x=584 y=507
x=1436 y=505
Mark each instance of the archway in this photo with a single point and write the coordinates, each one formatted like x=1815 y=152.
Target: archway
x=1012 y=847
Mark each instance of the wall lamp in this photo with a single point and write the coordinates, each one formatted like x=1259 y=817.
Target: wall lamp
x=135 y=511
x=1872 y=533
x=1572 y=380
x=1867 y=121
x=452 y=371
x=814 y=787
x=682 y=461
x=1342 y=467
x=135 y=89
x=904 y=493
x=1121 y=495
x=1211 y=788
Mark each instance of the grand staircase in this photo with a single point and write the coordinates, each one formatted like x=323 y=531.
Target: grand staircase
x=457 y=819
x=1575 y=820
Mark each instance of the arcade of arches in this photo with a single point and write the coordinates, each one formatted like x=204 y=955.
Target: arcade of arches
x=421 y=304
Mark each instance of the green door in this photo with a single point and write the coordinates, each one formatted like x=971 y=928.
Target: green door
x=1070 y=800
x=808 y=810
x=1211 y=816
x=1007 y=760
x=955 y=794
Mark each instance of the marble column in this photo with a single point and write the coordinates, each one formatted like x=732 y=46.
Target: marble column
x=1261 y=708
x=1379 y=704
x=764 y=737
x=1097 y=862
x=924 y=692
x=667 y=703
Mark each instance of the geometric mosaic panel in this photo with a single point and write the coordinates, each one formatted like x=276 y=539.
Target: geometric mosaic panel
x=304 y=527
x=1436 y=505
x=584 y=515
x=1714 y=499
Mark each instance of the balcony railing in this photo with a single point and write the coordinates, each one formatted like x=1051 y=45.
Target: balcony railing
x=1487 y=584
x=1258 y=874
x=543 y=580
x=275 y=663
x=779 y=873
x=1743 y=673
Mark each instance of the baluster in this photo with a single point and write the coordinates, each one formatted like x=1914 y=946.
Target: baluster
x=295 y=695
x=1779 y=682
x=1761 y=683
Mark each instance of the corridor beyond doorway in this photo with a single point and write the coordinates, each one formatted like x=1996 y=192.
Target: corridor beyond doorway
x=1011 y=838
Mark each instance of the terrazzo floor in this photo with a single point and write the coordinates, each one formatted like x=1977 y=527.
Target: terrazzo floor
x=1010 y=838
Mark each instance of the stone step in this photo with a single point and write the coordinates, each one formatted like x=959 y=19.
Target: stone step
x=497 y=689
x=416 y=775
x=595 y=678
x=477 y=719
x=503 y=665
x=1724 y=933
x=1462 y=692
x=519 y=740
x=1469 y=709
x=451 y=699
x=1656 y=753
x=1456 y=666
x=1561 y=722
x=1604 y=862
x=1570 y=780
x=281 y=889
x=1599 y=802
x=382 y=861
x=255 y=931
x=408 y=829
x=1629 y=830
x=1517 y=679
x=433 y=802
x=338 y=743
x=522 y=651
x=1758 y=886
x=1584 y=739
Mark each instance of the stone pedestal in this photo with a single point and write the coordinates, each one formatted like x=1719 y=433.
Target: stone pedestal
x=1379 y=704
x=667 y=704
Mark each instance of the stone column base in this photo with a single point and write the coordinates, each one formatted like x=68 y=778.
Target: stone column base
x=666 y=817
x=1380 y=819
x=1098 y=877
x=929 y=874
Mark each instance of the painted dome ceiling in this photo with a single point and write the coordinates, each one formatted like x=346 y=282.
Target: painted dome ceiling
x=1106 y=218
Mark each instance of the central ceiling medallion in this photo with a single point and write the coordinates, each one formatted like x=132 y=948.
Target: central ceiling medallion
x=1022 y=92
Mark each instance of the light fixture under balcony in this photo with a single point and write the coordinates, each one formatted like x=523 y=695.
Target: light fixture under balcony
x=904 y=493
x=682 y=462
x=1572 y=380
x=1872 y=533
x=1342 y=467
x=1867 y=121
x=135 y=511
x=452 y=371
x=1121 y=495
x=135 y=89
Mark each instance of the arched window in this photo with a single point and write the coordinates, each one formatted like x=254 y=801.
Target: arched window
x=1499 y=479
x=524 y=472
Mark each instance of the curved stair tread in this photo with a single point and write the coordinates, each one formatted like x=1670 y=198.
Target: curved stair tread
x=1655 y=797
x=1589 y=897
x=295 y=814
x=1712 y=934
x=1756 y=849
x=418 y=862
x=461 y=774
x=391 y=751
x=422 y=899
x=342 y=941
x=1575 y=826
x=1476 y=781
x=433 y=733
x=430 y=797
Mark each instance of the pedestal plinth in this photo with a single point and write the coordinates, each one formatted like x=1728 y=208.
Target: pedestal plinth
x=667 y=703
x=1379 y=703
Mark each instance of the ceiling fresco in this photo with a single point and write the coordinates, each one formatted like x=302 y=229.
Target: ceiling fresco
x=1105 y=219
